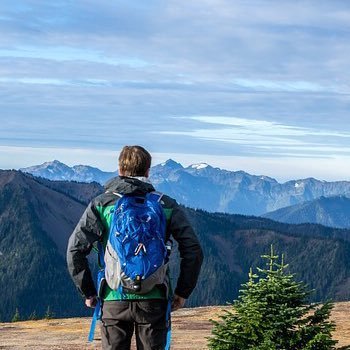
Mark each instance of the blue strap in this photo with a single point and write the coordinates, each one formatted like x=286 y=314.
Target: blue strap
x=101 y=255
x=95 y=317
x=168 y=321
x=97 y=313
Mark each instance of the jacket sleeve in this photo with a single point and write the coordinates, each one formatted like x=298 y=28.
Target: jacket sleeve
x=87 y=231
x=191 y=254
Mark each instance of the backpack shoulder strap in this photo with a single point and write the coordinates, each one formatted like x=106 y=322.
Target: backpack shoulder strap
x=157 y=196
x=115 y=193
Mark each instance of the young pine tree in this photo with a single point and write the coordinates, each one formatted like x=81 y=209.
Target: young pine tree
x=49 y=314
x=33 y=316
x=16 y=317
x=271 y=313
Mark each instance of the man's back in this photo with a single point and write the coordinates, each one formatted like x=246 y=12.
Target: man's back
x=122 y=310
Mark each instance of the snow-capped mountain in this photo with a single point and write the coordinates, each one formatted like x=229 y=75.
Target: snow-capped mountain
x=213 y=189
x=56 y=170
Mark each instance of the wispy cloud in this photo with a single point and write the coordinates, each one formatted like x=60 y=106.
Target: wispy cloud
x=266 y=127
x=58 y=53
x=270 y=138
x=289 y=86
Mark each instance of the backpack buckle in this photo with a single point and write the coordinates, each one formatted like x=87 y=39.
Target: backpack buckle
x=139 y=247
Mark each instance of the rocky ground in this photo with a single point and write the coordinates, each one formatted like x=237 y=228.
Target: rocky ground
x=190 y=331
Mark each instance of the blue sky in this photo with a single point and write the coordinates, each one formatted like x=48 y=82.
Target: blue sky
x=261 y=86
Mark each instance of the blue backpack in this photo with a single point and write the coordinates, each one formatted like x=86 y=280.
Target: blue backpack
x=136 y=254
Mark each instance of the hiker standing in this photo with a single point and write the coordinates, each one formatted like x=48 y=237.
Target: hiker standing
x=134 y=289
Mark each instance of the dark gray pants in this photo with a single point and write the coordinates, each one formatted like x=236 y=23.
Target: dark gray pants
x=120 y=318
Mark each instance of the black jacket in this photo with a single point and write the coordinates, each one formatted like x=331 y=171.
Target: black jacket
x=93 y=227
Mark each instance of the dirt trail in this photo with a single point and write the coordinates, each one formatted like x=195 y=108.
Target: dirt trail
x=190 y=329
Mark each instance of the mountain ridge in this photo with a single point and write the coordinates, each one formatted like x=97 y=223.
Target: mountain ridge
x=328 y=211
x=217 y=190
x=56 y=170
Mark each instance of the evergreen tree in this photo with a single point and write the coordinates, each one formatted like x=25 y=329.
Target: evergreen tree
x=16 y=317
x=271 y=313
x=33 y=316
x=49 y=314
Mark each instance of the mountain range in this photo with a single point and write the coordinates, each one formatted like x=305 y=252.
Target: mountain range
x=37 y=216
x=205 y=187
x=56 y=170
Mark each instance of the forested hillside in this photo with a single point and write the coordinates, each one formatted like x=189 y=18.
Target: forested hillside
x=33 y=276
x=318 y=255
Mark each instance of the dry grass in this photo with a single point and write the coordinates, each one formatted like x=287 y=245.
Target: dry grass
x=190 y=329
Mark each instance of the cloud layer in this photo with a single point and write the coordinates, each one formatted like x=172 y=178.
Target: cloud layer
x=253 y=79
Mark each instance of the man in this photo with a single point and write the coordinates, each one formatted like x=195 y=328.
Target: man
x=122 y=312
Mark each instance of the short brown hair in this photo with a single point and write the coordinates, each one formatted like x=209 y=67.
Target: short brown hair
x=134 y=161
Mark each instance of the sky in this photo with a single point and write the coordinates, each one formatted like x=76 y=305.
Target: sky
x=260 y=86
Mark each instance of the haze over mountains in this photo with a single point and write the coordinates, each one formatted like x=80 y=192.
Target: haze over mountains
x=213 y=189
x=38 y=215
x=331 y=211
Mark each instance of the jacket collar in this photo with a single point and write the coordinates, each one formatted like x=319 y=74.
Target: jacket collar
x=129 y=185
